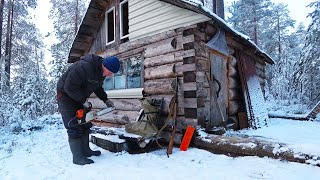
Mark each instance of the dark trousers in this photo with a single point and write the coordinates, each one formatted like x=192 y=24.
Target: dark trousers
x=68 y=108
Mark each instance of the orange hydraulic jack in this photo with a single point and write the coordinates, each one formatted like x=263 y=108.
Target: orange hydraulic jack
x=187 y=138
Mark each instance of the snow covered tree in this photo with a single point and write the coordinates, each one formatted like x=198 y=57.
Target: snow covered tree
x=67 y=15
x=28 y=83
x=276 y=42
x=64 y=13
x=307 y=77
x=271 y=27
x=248 y=15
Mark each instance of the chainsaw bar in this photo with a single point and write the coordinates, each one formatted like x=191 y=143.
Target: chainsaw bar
x=91 y=115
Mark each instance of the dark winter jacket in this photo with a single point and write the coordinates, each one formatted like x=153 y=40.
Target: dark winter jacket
x=82 y=79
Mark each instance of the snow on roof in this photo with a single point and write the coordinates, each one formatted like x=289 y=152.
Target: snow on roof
x=200 y=5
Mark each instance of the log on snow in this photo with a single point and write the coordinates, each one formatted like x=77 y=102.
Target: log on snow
x=237 y=146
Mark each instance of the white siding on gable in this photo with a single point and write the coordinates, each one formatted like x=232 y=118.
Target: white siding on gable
x=149 y=17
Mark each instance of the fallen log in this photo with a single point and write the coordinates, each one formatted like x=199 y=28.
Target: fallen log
x=250 y=146
x=300 y=117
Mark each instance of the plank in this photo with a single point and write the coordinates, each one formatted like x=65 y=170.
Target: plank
x=251 y=88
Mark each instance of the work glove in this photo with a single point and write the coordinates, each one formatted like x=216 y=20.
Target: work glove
x=87 y=106
x=109 y=103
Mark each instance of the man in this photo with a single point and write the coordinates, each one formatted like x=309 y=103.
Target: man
x=74 y=87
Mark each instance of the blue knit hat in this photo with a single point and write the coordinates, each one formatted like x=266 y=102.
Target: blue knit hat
x=111 y=63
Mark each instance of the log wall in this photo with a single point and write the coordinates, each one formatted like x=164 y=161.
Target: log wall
x=181 y=52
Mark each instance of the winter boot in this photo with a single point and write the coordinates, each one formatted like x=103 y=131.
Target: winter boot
x=86 y=148
x=76 y=147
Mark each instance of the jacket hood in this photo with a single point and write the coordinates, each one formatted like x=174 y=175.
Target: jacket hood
x=95 y=62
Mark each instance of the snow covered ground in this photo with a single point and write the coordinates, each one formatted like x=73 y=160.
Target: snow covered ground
x=45 y=154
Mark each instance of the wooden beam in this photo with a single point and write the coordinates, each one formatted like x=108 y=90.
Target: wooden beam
x=237 y=146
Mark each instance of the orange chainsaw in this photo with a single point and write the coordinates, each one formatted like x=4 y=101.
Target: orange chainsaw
x=82 y=117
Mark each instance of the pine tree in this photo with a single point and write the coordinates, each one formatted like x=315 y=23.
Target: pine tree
x=26 y=95
x=307 y=77
x=64 y=14
x=276 y=42
x=67 y=16
x=247 y=17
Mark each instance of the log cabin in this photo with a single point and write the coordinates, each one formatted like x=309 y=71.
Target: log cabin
x=221 y=72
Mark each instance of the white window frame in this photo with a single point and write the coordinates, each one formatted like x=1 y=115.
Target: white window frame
x=133 y=93
x=121 y=19
x=114 y=26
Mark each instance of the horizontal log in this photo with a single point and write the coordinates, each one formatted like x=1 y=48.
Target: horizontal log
x=167 y=46
x=237 y=146
x=119 y=117
x=190 y=102
x=184 y=54
x=181 y=68
x=192 y=86
x=159 y=60
x=138 y=43
x=120 y=104
x=159 y=86
x=183 y=122
x=288 y=116
x=160 y=72
x=107 y=124
x=232 y=71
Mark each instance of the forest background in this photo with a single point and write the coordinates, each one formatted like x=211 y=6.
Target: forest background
x=28 y=76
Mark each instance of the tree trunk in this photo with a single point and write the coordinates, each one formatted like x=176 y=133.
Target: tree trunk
x=76 y=19
x=214 y=6
x=8 y=44
x=220 y=8
x=255 y=24
x=1 y=22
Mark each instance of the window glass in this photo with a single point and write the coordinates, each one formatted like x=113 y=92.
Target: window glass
x=129 y=75
x=124 y=19
x=120 y=77
x=108 y=83
x=134 y=72
x=110 y=26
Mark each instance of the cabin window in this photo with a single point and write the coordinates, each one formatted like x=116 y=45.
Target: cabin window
x=110 y=26
x=124 y=19
x=128 y=77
